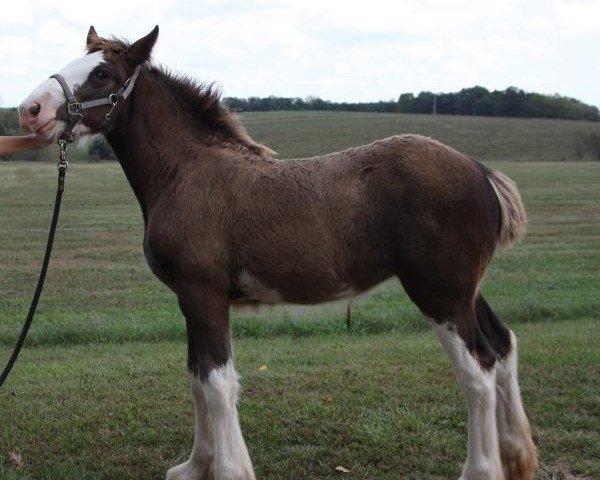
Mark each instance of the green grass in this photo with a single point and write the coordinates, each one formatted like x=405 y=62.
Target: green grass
x=103 y=394
x=382 y=406
x=299 y=134
x=484 y=138
x=99 y=288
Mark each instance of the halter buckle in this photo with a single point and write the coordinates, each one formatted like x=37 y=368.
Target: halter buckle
x=114 y=99
x=74 y=108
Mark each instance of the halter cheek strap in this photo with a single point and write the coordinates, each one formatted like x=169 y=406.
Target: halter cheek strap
x=75 y=108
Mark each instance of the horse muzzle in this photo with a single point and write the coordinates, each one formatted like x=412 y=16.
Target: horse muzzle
x=39 y=114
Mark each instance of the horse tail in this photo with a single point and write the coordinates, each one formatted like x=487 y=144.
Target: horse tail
x=512 y=213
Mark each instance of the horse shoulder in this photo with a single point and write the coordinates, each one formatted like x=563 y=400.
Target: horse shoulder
x=184 y=233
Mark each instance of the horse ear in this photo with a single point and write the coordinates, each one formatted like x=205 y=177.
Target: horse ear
x=140 y=51
x=92 y=36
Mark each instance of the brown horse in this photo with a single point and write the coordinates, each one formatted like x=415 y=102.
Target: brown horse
x=227 y=224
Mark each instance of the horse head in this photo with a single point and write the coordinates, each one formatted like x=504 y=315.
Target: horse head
x=86 y=96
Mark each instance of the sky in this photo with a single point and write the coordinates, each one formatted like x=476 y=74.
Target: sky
x=366 y=50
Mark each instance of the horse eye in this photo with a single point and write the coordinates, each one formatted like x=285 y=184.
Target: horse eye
x=100 y=75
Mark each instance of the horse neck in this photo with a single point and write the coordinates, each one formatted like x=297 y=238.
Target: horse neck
x=151 y=142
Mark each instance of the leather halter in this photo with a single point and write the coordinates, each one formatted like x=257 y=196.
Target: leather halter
x=75 y=107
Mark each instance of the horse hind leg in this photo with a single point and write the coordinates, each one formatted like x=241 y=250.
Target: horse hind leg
x=475 y=367
x=517 y=450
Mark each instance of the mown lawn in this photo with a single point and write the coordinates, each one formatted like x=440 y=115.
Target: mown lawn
x=382 y=406
x=102 y=393
x=300 y=134
x=488 y=139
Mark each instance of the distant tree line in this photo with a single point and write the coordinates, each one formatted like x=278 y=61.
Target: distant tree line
x=512 y=102
x=265 y=104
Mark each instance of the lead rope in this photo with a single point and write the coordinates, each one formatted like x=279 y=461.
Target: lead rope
x=62 y=170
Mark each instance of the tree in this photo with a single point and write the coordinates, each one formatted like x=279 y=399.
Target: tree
x=316 y=103
x=405 y=103
x=477 y=100
x=423 y=103
x=9 y=121
x=99 y=149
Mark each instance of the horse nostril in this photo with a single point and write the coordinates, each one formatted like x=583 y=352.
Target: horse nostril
x=34 y=109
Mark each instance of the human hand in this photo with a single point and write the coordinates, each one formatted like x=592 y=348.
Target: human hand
x=22 y=143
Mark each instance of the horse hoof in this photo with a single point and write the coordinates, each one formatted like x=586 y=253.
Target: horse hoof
x=237 y=475
x=190 y=471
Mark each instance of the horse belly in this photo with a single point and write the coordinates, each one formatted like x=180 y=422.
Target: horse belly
x=253 y=290
x=250 y=289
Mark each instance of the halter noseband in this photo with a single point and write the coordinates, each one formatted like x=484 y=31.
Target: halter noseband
x=75 y=107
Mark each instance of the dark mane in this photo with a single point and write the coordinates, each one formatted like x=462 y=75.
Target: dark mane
x=203 y=102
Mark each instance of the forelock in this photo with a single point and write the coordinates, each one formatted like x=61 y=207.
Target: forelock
x=109 y=47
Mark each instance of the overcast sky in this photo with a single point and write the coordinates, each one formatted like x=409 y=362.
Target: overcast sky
x=364 y=50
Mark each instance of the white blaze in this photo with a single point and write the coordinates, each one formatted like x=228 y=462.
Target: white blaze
x=50 y=96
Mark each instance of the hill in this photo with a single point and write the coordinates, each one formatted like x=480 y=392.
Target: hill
x=306 y=133
x=484 y=138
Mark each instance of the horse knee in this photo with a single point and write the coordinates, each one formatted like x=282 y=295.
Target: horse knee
x=207 y=321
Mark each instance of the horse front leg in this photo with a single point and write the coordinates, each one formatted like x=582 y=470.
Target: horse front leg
x=200 y=465
x=219 y=451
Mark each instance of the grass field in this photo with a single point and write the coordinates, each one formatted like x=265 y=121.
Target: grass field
x=102 y=391
x=382 y=406
x=485 y=138
x=299 y=134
